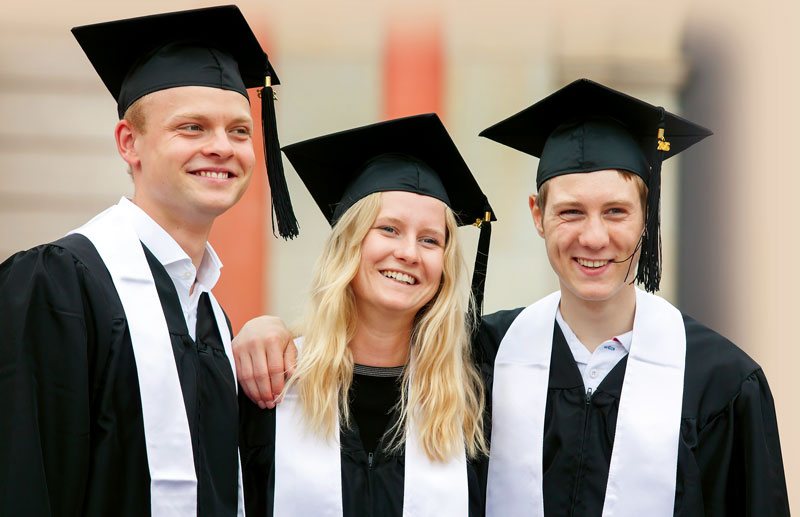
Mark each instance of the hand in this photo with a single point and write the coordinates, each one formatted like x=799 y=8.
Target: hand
x=265 y=357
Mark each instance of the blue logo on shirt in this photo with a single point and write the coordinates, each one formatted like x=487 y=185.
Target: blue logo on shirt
x=609 y=347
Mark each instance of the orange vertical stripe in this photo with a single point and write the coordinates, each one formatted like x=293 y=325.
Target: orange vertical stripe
x=413 y=66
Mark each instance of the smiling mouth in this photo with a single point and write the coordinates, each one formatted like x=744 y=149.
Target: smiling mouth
x=219 y=175
x=400 y=277
x=591 y=263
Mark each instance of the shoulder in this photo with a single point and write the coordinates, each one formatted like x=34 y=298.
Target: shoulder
x=491 y=330
x=70 y=250
x=57 y=273
x=716 y=370
x=711 y=354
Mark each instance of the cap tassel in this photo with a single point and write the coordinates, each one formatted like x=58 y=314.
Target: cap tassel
x=481 y=262
x=281 y=201
x=649 y=272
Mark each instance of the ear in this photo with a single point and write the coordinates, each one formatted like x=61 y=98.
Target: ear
x=537 y=214
x=126 y=135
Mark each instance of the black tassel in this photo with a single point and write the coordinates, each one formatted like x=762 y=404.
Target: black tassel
x=281 y=202
x=479 y=273
x=649 y=272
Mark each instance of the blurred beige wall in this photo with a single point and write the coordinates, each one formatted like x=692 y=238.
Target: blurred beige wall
x=59 y=165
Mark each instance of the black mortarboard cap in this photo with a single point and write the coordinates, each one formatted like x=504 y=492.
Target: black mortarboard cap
x=411 y=154
x=587 y=127
x=212 y=47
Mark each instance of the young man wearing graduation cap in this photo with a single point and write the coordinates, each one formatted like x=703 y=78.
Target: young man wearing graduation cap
x=118 y=392
x=607 y=400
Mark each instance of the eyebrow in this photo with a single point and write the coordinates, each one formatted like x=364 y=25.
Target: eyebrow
x=200 y=116
x=575 y=202
x=400 y=222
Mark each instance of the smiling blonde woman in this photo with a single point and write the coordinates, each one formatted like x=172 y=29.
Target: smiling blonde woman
x=385 y=409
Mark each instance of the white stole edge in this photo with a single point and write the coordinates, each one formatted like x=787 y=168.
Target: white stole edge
x=642 y=474
x=308 y=471
x=173 y=482
x=521 y=377
x=434 y=488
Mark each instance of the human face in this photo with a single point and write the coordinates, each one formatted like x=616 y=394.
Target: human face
x=591 y=221
x=401 y=256
x=195 y=157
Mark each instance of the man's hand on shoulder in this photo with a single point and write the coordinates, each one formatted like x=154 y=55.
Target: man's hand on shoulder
x=265 y=357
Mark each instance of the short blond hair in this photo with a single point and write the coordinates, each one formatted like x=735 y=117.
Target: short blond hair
x=135 y=114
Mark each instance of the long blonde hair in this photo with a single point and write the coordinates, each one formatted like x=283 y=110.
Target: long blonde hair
x=441 y=389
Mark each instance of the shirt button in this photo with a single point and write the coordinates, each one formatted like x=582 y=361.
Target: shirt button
x=187 y=275
x=593 y=374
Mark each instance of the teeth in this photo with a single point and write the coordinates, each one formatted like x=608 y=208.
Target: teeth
x=400 y=277
x=212 y=174
x=592 y=263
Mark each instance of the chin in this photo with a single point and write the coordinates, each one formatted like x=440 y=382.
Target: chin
x=216 y=206
x=400 y=306
x=593 y=293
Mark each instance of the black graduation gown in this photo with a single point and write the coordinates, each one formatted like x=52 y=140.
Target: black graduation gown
x=372 y=484
x=71 y=433
x=729 y=456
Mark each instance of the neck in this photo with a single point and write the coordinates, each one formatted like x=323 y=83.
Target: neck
x=381 y=340
x=595 y=322
x=190 y=236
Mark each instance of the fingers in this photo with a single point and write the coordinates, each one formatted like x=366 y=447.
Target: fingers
x=261 y=379
x=259 y=350
x=244 y=373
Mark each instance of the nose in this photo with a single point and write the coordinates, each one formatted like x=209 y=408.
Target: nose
x=218 y=144
x=406 y=250
x=594 y=234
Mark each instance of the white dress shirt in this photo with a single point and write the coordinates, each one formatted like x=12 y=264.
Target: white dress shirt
x=177 y=263
x=594 y=366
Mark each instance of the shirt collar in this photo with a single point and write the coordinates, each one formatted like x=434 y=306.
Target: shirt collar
x=168 y=251
x=579 y=350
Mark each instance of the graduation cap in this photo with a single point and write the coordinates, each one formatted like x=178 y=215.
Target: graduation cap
x=411 y=154
x=586 y=127
x=212 y=47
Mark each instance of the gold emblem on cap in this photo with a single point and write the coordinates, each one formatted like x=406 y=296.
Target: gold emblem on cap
x=487 y=217
x=663 y=145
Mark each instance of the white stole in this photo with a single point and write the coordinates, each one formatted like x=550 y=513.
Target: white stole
x=645 y=454
x=173 y=482
x=308 y=473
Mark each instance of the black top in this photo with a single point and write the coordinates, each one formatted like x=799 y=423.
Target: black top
x=729 y=456
x=372 y=478
x=374 y=394
x=74 y=443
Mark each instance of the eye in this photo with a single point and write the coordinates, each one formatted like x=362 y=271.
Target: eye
x=191 y=128
x=616 y=211
x=241 y=131
x=387 y=229
x=431 y=241
x=570 y=213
